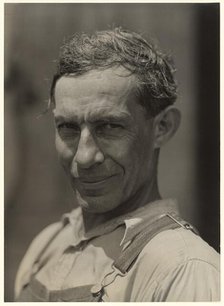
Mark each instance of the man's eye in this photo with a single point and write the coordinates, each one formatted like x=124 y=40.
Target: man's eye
x=108 y=128
x=68 y=130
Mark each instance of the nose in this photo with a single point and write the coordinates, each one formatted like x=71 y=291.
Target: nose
x=88 y=152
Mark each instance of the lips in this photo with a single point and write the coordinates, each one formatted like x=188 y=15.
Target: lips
x=97 y=185
x=95 y=179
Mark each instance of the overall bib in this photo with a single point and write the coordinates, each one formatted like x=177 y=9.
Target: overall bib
x=34 y=291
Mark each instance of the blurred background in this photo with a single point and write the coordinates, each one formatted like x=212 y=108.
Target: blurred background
x=36 y=189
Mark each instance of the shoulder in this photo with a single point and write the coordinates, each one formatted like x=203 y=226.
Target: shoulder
x=38 y=245
x=181 y=266
x=181 y=244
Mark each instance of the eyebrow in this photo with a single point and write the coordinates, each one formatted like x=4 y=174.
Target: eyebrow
x=95 y=117
x=109 y=118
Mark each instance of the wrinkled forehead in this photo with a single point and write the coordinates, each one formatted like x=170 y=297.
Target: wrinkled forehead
x=116 y=81
x=98 y=91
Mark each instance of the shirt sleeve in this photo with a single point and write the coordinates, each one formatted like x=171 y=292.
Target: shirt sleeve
x=193 y=281
x=25 y=268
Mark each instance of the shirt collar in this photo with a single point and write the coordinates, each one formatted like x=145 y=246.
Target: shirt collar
x=134 y=221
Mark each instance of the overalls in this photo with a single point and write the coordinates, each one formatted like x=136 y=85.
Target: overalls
x=37 y=292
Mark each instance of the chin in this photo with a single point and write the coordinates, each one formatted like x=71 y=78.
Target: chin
x=98 y=204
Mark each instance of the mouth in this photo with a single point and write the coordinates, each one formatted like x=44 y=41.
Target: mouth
x=95 y=185
x=95 y=180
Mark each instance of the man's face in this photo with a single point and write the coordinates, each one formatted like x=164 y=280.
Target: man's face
x=103 y=138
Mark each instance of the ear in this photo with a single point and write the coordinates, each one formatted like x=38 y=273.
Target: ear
x=166 y=124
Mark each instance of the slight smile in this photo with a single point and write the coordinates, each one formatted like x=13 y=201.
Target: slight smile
x=95 y=180
x=98 y=184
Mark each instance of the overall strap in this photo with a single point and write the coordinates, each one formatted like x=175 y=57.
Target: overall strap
x=37 y=263
x=165 y=222
x=28 y=269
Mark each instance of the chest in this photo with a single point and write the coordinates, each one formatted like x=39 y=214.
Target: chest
x=87 y=272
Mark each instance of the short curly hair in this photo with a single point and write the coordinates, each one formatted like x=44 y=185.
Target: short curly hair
x=153 y=70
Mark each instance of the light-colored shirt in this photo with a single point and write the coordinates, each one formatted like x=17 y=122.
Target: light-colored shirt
x=176 y=265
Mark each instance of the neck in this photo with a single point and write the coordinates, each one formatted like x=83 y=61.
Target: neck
x=143 y=196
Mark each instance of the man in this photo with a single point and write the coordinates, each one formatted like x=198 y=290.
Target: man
x=113 y=98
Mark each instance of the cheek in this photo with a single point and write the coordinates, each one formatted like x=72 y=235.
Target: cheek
x=123 y=153
x=140 y=155
x=65 y=152
x=117 y=149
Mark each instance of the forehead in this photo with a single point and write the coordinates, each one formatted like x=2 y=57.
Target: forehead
x=110 y=90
